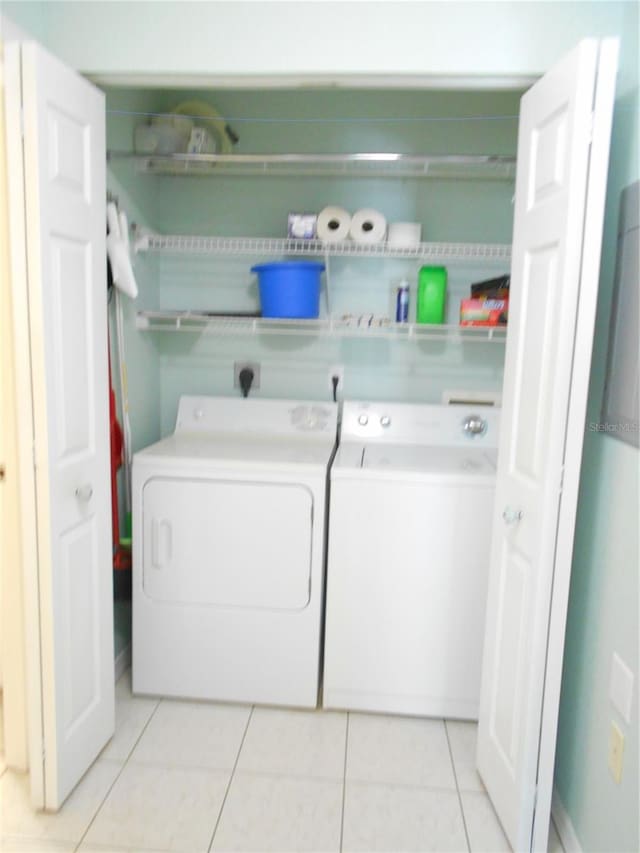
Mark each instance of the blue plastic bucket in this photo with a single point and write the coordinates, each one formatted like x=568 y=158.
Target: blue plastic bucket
x=289 y=288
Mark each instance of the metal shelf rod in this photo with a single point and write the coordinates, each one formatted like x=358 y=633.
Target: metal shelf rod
x=324 y=159
x=379 y=165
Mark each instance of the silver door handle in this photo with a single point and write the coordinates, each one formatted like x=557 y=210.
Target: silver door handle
x=512 y=516
x=84 y=493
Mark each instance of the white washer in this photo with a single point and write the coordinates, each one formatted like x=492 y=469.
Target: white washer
x=228 y=551
x=412 y=490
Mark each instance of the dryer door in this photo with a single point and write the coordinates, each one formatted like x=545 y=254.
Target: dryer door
x=227 y=542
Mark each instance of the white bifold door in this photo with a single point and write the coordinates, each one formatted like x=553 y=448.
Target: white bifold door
x=56 y=162
x=563 y=147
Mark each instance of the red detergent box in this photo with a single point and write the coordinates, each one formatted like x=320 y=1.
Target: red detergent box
x=484 y=312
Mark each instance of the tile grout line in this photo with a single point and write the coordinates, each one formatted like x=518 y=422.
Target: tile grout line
x=233 y=771
x=455 y=776
x=118 y=775
x=344 y=781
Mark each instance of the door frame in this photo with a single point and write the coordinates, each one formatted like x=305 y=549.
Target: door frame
x=26 y=447
x=11 y=595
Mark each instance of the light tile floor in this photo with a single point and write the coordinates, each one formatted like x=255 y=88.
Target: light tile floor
x=190 y=776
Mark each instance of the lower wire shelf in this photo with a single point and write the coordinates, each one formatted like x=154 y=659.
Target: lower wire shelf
x=206 y=323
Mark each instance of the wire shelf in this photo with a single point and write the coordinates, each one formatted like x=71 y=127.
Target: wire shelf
x=391 y=165
x=191 y=321
x=497 y=252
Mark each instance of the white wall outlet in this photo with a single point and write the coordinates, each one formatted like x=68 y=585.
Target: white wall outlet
x=238 y=367
x=336 y=370
x=621 y=687
x=616 y=750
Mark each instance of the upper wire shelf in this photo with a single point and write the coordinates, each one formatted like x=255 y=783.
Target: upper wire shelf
x=193 y=321
x=390 y=165
x=177 y=243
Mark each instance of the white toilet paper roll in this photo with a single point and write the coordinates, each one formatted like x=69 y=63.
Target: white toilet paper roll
x=333 y=224
x=368 y=226
x=404 y=235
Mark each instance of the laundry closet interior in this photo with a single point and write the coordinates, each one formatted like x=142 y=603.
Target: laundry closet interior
x=468 y=205
x=463 y=201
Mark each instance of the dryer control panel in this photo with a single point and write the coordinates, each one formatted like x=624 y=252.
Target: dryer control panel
x=224 y=415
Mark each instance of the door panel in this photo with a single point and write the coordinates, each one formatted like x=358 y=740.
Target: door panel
x=71 y=301
x=227 y=543
x=77 y=603
x=535 y=355
x=548 y=158
x=69 y=152
x=512 y=637
x=545 y=382
x=64 y=202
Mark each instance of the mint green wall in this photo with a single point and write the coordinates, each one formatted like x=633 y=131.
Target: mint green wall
x=603 y=607
x=319 y=38
x=24 y=20
x=139 y=199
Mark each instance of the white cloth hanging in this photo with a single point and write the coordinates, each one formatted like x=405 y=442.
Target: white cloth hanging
x=118 y=251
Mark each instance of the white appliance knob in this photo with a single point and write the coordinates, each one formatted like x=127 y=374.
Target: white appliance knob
x=363 y=420
x=385 y=421
x=198 y=414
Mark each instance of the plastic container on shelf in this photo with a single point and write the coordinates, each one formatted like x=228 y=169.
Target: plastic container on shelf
x=431 y=296
x=289 y=289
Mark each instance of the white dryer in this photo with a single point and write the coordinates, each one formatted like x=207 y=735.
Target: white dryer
x=228 y=551
x=412 y=490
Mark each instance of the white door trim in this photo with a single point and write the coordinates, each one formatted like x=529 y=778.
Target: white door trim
x=25 y=417
x=564 y=826
x=11 y=600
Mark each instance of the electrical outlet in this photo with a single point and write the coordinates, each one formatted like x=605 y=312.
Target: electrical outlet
x=336 y=370
x=616 y=750
x=238 y=367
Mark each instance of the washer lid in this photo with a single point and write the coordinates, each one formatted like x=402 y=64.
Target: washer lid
x=428 y=460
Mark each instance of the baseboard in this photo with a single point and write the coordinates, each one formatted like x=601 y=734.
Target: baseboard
x=565 y=829
x=122 y=661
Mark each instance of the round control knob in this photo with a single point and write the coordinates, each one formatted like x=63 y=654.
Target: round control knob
x=474 y=425
x=363 y=420
x=385 y=421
